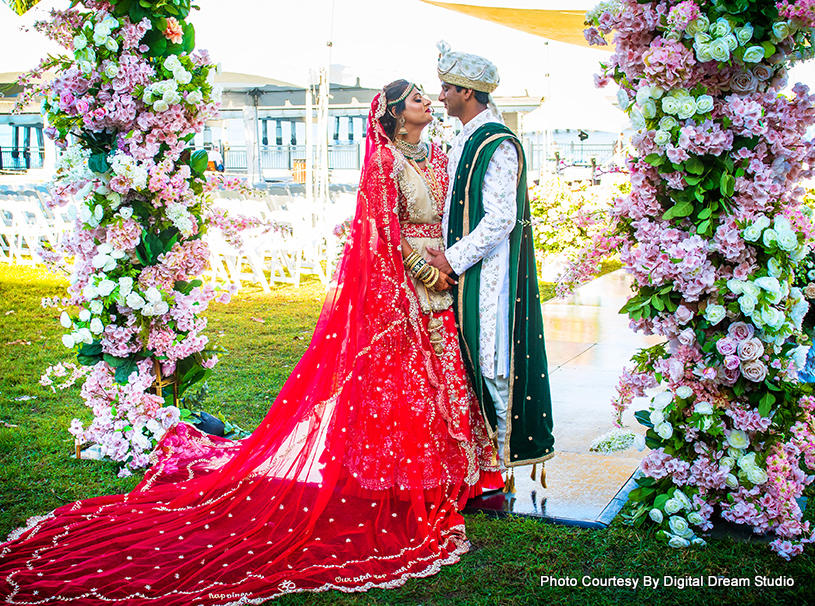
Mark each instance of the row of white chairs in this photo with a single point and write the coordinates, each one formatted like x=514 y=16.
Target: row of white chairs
x=295 y=236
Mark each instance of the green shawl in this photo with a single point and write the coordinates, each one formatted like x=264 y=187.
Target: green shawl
x=529 y=415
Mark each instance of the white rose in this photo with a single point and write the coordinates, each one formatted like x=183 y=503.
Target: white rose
x=682 y=498
x=748 y=461
x=747 y=304
x=105 y=287
x=172 y=63
x=84 y=315
x=622 y=99
x=769 y=284
x=757 y=476
x=698 y=25
x=639 y=442
x=772 y=317
x=96 y=326
x=715 y=313
x=111 y=44
x=738 y=439
x=80 y=42
x=637 y=119
x=754 y=54
x=695 y=518
x=126 y=212
x=684 y=392
x=787 y=240
x=125 y=286
x=769 y=237
x=134 y=301
x=65 y=320
x=744 y=33
x=678 y=525
x=670 y=105
x=668 y=123
x=720 y=50
x=773 y=268
x=182 y=76
x=662 y=137
x=664 y=430
x=656 y=515
x=781 y=30
x=720 y=28
x=195 y=97
x=68 y=341
x=160 y=106
x=649 y=109
x=731 y=481
x=662 y=399
x=111 y=71
x=703 y=54
x=701 y=38
x=161 y=308
x=657 y=92
x=698 y=541
x=89 y=292
x=752 y=233
x=728 y=462
x=678 y=542
x=656 y=417
x=703 y=408
x=643 y=95
x=84 y=335
x=672 y=506
x=153 y=295
x=704 y=104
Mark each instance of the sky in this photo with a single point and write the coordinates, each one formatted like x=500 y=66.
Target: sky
x=375 y=40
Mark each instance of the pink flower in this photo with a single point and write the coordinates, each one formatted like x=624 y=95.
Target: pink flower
x=174 y=31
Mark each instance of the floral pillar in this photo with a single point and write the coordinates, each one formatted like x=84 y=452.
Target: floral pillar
x=130 y=96
x=714 y=235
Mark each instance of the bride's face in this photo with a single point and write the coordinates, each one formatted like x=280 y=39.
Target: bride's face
x=417 y=110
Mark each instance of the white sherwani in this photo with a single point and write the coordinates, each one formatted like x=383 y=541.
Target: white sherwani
x=489 y=242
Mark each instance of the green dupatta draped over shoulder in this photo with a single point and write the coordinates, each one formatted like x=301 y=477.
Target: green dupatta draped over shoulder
x=529 y=415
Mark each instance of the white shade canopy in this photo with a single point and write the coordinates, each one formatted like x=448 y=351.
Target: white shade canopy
x=585 y=109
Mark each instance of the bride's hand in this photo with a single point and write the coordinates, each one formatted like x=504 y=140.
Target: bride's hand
x=444 y=282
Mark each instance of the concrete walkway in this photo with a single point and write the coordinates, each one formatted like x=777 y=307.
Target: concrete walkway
x=587 y=344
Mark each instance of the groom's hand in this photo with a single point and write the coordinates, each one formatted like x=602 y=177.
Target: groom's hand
x=439 y=261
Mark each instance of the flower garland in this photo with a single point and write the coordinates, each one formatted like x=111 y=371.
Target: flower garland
x=713 y=234
x=126 y=103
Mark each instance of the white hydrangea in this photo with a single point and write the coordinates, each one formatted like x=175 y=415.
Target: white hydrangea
x=180 y=218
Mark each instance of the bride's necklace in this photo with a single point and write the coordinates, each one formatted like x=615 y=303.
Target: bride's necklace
x=414 y=151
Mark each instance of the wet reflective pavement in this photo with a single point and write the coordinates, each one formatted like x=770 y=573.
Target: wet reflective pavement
x=587 y=344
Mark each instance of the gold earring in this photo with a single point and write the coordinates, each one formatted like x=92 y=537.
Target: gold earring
x=402 y=129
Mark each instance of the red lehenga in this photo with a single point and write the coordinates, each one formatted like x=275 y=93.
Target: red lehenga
x=354 y=479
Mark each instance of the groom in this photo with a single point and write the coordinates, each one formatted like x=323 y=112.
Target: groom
x=490 y=247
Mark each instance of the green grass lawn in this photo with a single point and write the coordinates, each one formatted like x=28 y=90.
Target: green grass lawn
x=266 y=334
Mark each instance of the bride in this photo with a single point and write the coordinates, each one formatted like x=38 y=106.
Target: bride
x=356 y=476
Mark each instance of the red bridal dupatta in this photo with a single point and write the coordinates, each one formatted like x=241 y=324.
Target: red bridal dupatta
x=353 y=480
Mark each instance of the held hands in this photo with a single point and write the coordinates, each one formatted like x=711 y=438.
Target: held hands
x=439 y=261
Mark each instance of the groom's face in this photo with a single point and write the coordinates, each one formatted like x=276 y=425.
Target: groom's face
x=452 y=99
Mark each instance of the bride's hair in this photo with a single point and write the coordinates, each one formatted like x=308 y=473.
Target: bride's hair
x=394 y=90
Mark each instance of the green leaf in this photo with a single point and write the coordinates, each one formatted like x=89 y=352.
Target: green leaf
x=727 y=185
x=679 y=210
x=655 y=159
x=98 y=163
x=91 y=349
x=769 y=48
x=703 y=226
x=122 y=8
x=693 y=180
x=660 y=501
x=657 y=302
x=85 y=360
x=704 y=213
x=115 y=361
x=765 y=405
x=694 y=165
x=124 y=371
x=198 y=161
x=189 y=38
x=644 y=418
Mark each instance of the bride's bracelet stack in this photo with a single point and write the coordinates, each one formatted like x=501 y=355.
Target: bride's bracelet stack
x=420 y=269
